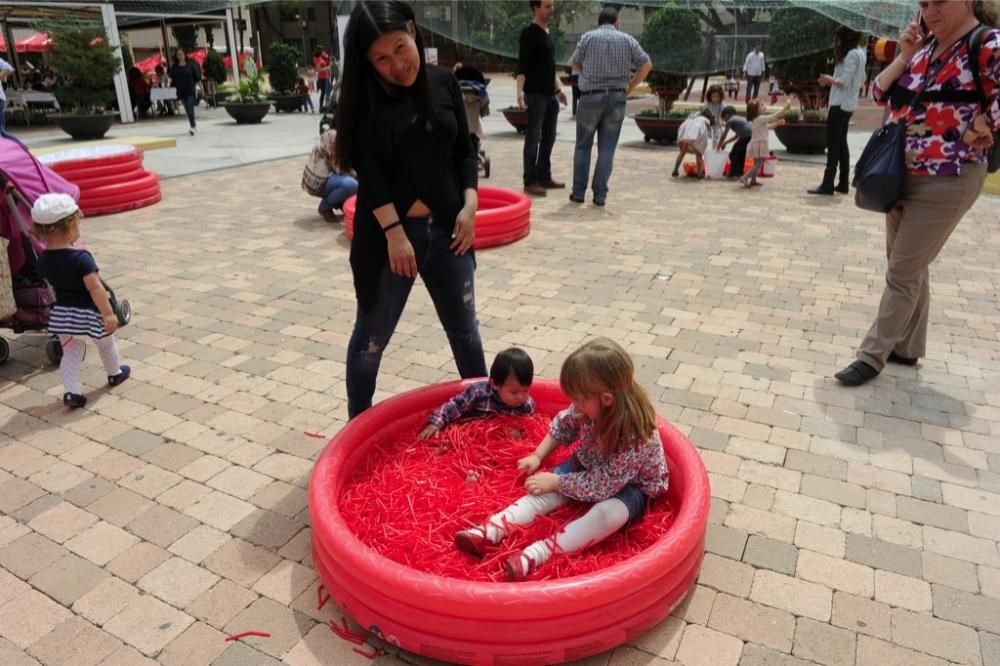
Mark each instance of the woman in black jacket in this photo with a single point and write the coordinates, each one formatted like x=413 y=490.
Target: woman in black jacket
x=401 y=126
x=184 y=76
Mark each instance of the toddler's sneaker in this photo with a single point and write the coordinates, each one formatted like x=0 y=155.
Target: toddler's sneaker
x=74 y=400
x=124 y=372
x=472 y=541
x=519 y=566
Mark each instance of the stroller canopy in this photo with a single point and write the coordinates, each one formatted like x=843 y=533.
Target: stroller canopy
x=23 y=172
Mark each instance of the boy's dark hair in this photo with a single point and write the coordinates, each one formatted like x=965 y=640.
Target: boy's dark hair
x=608 y=16
x=534 y=4
x=512 y=361
x=728 y=111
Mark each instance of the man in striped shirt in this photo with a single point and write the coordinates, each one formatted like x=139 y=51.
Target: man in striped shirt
x=604 y=60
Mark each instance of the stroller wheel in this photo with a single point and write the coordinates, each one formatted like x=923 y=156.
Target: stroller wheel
x=53 y=349
x=123 y=311
x=4 y=351
x=486 y=168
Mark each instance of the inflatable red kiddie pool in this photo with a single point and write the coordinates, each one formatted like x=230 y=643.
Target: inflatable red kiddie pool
x=504 y=216
x=471 y=622
x=111 y=177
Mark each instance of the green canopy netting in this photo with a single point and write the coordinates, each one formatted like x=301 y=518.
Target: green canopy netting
x=683 y=36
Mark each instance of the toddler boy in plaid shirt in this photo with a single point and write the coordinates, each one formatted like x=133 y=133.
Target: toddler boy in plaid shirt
x=505 y=392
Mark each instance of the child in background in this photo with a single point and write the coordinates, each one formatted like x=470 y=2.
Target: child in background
x=758 y=147
x=692 y=137
x=774 y=90
x=742 y=131
x=82 y=308
x=732 y=86
x=302 y=88
x=617 y=465
x=505 y=392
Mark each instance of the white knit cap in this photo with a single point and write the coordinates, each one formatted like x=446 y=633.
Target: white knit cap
x=50 y=208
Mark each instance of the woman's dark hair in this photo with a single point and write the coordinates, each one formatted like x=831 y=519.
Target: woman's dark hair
x=176 y=59
x=515 y=362
x=363 y=91
x=318 y=51
x=987 y=12
x=715 y=88
x=844 y=40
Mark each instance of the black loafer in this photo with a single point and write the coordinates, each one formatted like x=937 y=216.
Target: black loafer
x=821 y=190
x=856 y=374
x=843 y=189
x=901 y=360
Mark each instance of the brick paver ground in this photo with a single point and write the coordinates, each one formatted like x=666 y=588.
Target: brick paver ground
x=849 y=526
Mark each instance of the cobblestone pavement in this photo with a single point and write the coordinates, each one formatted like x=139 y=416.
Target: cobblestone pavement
x=849 y=526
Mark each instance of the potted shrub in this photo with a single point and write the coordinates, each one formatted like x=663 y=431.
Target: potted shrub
x=672 y=38
x=89 y=64
x=283 y=68
x=805 y=131
x=215 y=74
x=248 y=104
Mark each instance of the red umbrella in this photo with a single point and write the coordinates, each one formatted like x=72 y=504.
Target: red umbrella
x=149 y=64
x=36 y=43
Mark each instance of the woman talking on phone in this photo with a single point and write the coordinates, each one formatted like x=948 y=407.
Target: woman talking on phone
x=401 y=126
x=946 y=146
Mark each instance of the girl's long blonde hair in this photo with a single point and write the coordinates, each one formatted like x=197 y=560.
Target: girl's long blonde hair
x=599 y=366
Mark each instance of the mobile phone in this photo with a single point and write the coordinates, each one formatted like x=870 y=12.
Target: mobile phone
x=922 y=23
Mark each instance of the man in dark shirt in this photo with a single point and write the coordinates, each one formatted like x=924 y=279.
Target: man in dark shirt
x=538 y=89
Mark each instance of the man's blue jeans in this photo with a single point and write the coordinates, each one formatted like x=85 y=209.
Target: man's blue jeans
x=600 y=113
x=450 y=280
x=539 y=137
x=337 y=190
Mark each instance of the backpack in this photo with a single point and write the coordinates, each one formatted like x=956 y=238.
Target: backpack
x=975 y=43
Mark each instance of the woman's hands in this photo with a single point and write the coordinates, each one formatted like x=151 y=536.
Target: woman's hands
x=541 y=483
x=464 y=233
x=428 y=432
x=825 y=80
x=402 y=258
x=910 y=40
x=978 y=134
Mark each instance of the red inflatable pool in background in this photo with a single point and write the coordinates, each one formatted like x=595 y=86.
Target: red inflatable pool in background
x=544 y=622
x=111 y=177
x=504 y=216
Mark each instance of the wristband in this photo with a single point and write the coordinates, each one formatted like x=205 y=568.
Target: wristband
x=387 y=227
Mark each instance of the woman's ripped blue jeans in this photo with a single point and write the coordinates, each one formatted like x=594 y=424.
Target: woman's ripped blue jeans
x=450 y=280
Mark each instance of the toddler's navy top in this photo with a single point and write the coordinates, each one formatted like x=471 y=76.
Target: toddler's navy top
x=64 y=270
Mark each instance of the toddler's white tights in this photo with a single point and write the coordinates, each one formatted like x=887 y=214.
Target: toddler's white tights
x=74 y=348
x=601 y=521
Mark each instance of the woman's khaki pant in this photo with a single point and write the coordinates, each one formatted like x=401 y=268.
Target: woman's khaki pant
x=915 y=231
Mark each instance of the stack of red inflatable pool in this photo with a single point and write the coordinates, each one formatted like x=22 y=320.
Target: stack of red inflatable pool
x=504 y=216
x=111 y=177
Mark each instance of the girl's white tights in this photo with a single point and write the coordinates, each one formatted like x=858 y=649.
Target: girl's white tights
x=74 y=348
x=601 y=521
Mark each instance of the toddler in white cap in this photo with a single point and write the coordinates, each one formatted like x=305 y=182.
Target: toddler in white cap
x=82 y=308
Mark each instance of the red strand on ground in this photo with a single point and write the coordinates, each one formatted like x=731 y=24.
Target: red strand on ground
x=314 y=435
x=236 y=637
x=407 y=499
x=322 y=596
x=346 y=633
x=377 y=652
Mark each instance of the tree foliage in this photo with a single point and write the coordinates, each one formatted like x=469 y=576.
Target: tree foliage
x=798 y=74
x=215 y=66
x=89 y=64
x=672 y=38
x=283 y=66
x=186 y=36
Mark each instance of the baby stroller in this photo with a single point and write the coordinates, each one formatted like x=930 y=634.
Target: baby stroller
x=22 y=180
x=477 y=105
x=328 y=111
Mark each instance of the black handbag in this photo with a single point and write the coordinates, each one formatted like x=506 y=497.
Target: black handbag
x=878 y=175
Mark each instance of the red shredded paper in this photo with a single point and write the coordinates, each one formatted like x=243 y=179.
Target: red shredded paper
x=408 y=497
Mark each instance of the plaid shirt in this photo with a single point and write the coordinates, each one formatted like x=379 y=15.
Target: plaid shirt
x=478 y=399
x=606 y=57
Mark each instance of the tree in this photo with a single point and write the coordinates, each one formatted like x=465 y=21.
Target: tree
x=89 y=64
x=215 y=66
x=672 y=38
x=186 y=37
x=793 y=30
x=283 y=67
